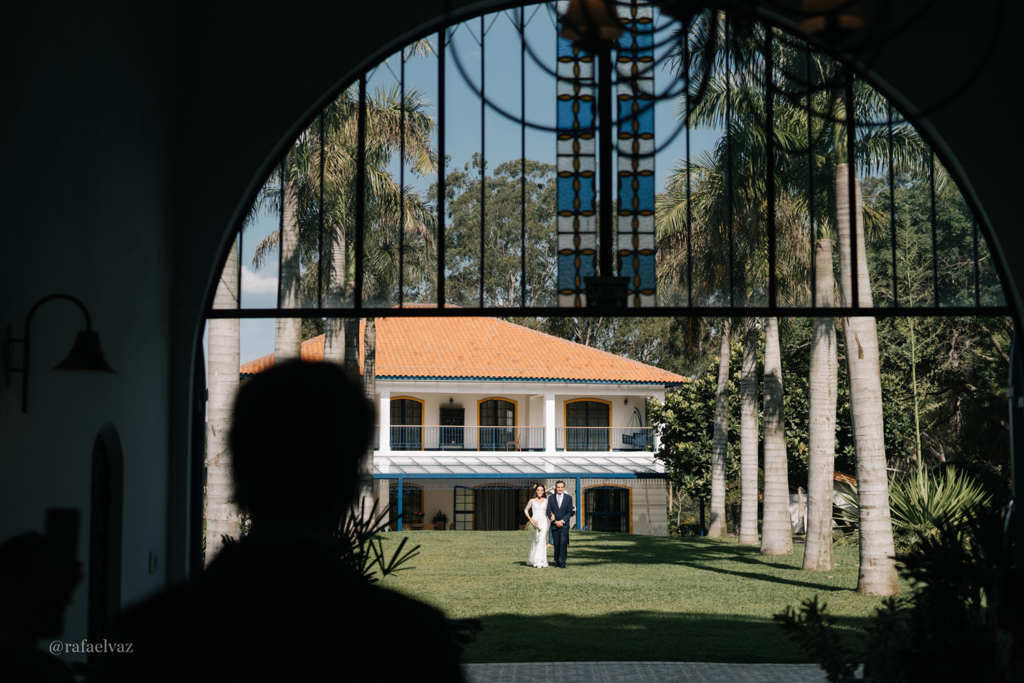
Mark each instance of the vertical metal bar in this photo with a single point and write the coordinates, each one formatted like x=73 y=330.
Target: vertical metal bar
x=977 y=289
x=604 y=103
x=280 y=235
x=238 y=298
x=522 y=160
x=810 y=176
x=892 y=216
x=580 y=508
x=851 y=172
x=320 y=233
x=728 y=150
x=770 y=160
x=401 y=182
x=441 y=38
x=401 y=512
x=360 y=192
x=935 y=241
x=689 y=225
x=483 y=156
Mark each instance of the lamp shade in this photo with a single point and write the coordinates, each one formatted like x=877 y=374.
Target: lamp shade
x=591 y=23
x=86 y=356
x=830 y=16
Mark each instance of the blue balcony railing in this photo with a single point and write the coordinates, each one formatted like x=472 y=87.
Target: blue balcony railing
x=440 y=438
x=604 y=439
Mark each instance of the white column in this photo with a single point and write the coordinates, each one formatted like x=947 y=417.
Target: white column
x=384 y=419
x=549 y=423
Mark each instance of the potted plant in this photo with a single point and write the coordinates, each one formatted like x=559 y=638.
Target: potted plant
x=442 y=519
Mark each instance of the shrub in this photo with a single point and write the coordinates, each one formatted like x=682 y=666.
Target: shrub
x=920 y=504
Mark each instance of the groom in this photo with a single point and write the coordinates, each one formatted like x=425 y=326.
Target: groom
x=559 y=510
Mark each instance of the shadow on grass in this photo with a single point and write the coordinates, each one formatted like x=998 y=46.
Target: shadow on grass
x=712 y=556
x=637 y=636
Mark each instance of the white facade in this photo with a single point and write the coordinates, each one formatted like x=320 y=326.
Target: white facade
x=539 y=449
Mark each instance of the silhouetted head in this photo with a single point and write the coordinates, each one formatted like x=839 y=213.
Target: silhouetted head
x=299 y=433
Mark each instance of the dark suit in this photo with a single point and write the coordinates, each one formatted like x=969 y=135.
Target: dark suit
x=561 y=533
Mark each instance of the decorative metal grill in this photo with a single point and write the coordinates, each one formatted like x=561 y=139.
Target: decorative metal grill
x=754 y=258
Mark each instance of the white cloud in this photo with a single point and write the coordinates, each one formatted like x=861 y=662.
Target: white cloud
x=255 y=283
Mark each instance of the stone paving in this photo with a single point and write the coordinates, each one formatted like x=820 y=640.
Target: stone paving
x=644 y=672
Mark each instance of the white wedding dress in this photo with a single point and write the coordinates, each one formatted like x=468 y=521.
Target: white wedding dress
x=538 y=511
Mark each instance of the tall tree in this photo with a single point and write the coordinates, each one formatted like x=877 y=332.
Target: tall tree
x=877 y=570
x=748 y=436
x=492 y=208
x=222 y=373
x=719 y=448
x=822 y=429
x=777 y=529
x=288 y=331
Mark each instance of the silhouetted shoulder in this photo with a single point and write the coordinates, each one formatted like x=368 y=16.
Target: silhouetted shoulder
x=273 y=609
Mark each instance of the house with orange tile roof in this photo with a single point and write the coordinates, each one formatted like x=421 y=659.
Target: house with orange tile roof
x=474 y=411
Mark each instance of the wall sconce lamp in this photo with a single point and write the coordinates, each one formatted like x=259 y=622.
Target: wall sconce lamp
x=451 y=401
x=85 y=356
x=625 y=401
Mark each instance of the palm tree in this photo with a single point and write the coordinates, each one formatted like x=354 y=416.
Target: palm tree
x=777 y=536
x=877 y=571
x=720 y=443
x=748 y=436
x=395 y=213
x=822 y=431
x=222 y=370
x=791 y=60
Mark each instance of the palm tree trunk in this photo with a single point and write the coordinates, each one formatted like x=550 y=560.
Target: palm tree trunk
x=366 y=499
x=877 y=571
x=777 y=528
x=334 y=328
x=748 y=436
x=822 y=437
x=720 y=444
x=352 y=346
x=288 y=332
x=222 y=373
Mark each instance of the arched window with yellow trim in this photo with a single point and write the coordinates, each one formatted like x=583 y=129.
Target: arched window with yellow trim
x=586 y=424
x=406 y=424
x=497 y=420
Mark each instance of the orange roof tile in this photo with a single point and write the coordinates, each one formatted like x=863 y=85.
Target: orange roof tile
x=482 y=348
x=844 y=478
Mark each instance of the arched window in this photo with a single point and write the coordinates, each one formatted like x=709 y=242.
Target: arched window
x=586 y=423
x=497 y=420
x=406 y=424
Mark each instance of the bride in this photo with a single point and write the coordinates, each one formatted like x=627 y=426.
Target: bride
x=537 y=511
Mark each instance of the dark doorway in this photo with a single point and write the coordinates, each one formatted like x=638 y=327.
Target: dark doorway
x=607 y=509
x=453 y=432
x=499 y=508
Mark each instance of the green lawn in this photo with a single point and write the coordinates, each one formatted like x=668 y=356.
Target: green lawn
x=624 y=598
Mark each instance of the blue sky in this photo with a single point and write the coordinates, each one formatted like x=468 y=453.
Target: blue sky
x=498 y=136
